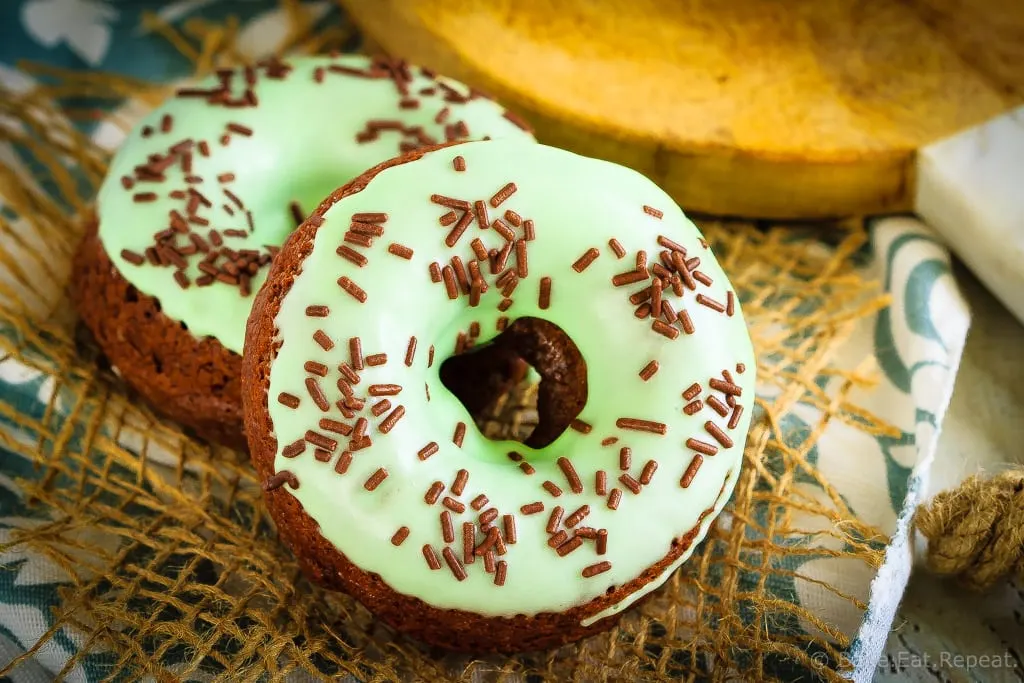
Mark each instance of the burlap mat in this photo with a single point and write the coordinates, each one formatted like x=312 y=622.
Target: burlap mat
x=177 y=570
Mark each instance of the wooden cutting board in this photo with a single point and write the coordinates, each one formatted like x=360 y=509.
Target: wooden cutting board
x=758 y=108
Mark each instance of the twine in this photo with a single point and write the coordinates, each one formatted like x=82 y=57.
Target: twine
x=975 y=532
x=176 y=570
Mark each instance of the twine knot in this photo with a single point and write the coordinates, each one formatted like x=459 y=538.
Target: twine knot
x=976 y=531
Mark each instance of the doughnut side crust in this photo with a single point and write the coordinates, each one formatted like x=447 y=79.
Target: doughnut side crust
x=194 y=381
x=323 y=563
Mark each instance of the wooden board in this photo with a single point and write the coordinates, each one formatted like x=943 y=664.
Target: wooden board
x=796 y=109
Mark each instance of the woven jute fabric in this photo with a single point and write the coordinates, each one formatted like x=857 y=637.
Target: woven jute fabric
x=177 y=569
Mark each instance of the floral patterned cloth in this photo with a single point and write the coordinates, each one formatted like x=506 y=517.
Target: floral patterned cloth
x=917 y=343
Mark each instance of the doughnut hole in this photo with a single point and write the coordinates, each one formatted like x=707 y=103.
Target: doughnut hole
x=480 y=377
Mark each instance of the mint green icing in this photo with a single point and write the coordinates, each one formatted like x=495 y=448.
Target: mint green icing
x=303 y=146
x=576 y=203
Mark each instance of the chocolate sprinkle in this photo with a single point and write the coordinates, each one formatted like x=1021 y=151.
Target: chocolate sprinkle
x=318 y=369
x=648 y=472
x=428 y=450
x=449 y=282
x=354 y=290
x=279 y=479
x=720 y=436
x=453 y=505
x=558 y=539
x=490 y=540
x=375 y=479
x=132 y=257
x=433 y=493
x=595 y=569
x=701 y=446
x=488 y=516
x=687 y=323
x=577 y=516
x=664 y=329
x=317 y=394
x=710 y=303
x=468 y=542
x=389 y=422
x=669 y=244
x=569 y=546
x=625 y=457
x=509 y=522
x=630 y=483
x=289 y=400
x=725 y=387
x=589 y=256
x=734 y=420
x=447 y=528
x=502 y=194
x=649 y=370
x=460 y=434
x=629 y=277
x=461 y=477
x=400 y=250
x=580 y=426
x=614 y=498
x=571 y=475
x=617 y=248
x=350 y=254
x=691 y=471
x=532 y=508
x=552 y=488
x=329 y=425
x=693 y=408
x=641 y=425
x=344 y=460
x=294 y=449
x=602 y=541
x=718 y=406
x=499 y=573
x=370 y=217
x=321 y=338
x=400 y=536
x=545 y=293
x=431 y=556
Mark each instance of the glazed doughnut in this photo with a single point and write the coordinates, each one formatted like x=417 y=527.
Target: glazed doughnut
x=375 y=473
x=206 y=188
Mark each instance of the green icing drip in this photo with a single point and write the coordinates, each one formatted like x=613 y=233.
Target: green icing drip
x=576 y=203
x=303 y=146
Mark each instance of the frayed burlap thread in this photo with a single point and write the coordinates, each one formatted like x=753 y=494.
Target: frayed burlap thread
x=975 y=532
x=174 y=568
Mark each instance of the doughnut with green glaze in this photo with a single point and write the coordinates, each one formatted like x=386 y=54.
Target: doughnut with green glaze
x=375 y=471
x=209 y=185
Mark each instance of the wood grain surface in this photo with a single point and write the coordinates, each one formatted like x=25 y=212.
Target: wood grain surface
x=802 y=109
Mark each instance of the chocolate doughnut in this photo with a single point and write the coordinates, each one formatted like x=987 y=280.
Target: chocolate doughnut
x=375 y=473
x=207 y=187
